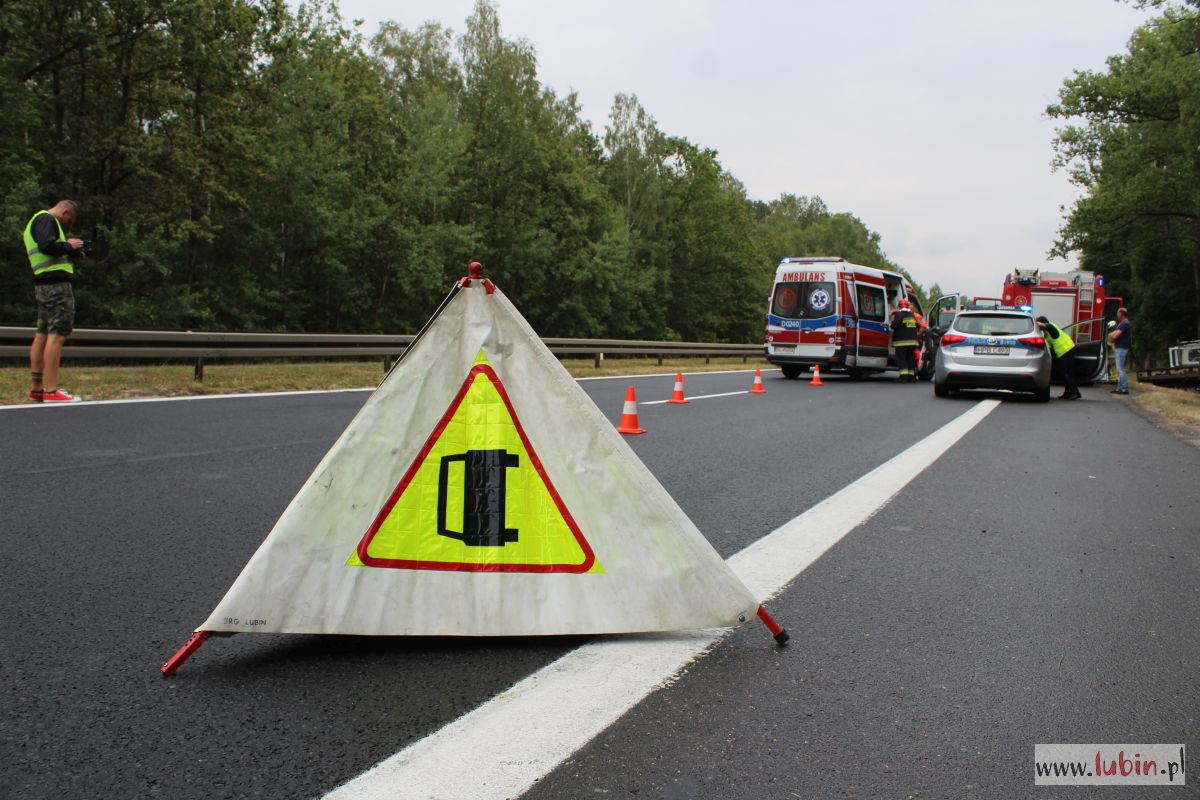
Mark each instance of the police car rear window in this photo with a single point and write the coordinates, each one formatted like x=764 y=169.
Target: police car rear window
x=997 y=325
x=803 y=299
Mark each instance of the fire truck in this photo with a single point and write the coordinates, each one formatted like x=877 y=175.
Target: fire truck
x=1065 y=298
x=1075 y=301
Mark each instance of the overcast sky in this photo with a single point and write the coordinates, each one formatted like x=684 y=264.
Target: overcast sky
x=924 y=118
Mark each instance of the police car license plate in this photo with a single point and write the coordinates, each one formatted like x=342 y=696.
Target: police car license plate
x=784 y=349
x=987 y=350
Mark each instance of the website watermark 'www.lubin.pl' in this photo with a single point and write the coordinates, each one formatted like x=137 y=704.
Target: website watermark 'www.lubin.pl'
x=1108 y=765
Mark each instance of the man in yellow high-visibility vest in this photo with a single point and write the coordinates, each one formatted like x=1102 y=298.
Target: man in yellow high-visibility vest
x=1062 y=347
x=51 y=257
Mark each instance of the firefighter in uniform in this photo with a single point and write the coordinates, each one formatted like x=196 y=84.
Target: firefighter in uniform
x=1062 y=347
x=905 y=341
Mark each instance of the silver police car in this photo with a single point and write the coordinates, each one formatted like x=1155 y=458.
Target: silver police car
x=993 y=349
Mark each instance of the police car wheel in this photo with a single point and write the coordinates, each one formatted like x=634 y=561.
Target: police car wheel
x=941 y=390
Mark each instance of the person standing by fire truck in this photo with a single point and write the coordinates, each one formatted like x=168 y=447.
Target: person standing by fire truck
x=1062 y=347
x=904 y=340
x=1121 y=337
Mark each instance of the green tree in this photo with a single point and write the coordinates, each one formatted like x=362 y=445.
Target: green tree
x=531 y=176
x=255 y=165
x=1133 y=150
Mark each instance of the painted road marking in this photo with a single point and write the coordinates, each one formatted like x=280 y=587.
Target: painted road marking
x=240 y=395
x=243 y=395
x=523 y=730
x=696 y=397
x=672 y=374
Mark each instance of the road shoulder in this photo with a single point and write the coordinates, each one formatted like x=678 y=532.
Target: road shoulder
x=1180 y=429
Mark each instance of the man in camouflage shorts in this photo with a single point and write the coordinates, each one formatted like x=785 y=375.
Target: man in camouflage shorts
x=56 y=308
x=52 y=256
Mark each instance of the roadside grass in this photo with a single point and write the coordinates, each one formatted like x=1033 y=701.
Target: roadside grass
x=176 y=380
x=1177 y=405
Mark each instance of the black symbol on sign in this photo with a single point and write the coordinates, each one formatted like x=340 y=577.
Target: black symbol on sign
x=485 y=476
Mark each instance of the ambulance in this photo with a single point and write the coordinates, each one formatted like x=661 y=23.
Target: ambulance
x=828 y=312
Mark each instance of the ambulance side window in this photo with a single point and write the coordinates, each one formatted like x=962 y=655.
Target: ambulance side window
x=895 y=290
x=916 y=304
x=870 y=303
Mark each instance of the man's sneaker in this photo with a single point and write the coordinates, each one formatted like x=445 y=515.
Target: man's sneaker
x=35 y=395
x=58 y=396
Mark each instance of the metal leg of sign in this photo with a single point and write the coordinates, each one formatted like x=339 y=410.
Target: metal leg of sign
x=780 y=634
x=184 y=653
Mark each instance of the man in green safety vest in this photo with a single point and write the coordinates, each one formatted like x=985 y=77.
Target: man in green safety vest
x=52 y=256
x=1062 y=347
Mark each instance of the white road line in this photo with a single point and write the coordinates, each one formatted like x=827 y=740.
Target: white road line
x=241 y=395
x=244 y=395
x=672 y=374
x=500 y=749
x=697 y=397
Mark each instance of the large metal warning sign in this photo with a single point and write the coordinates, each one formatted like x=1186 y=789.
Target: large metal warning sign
x=476 y=497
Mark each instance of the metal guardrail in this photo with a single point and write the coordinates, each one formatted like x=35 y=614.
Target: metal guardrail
x=1171 y=376
x=199 y=346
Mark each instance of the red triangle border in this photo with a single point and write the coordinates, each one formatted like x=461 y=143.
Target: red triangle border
x=398 y=563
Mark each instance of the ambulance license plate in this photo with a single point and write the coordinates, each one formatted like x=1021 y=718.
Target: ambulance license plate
x=785 y=349
x=986 y=350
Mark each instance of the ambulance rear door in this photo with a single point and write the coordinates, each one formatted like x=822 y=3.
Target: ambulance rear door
x=805 y=301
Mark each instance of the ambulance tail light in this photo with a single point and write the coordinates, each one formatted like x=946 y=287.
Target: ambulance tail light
x=1036 y=342
x=839 y=334
x=953 y=338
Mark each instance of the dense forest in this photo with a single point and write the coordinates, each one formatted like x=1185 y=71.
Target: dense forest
x=1132 y=143
x=243 y=165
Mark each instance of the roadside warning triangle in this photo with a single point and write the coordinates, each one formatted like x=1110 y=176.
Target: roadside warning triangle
x=480 y=492
x=476 y=497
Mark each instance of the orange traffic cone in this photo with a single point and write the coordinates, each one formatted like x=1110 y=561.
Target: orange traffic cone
x=816 y=380
x=758 y=387
x=629 y=420
x=677 y=397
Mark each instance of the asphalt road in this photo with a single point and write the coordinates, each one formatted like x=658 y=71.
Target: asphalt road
x=1037 y=584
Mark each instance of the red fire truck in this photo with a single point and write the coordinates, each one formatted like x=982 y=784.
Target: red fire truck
x=1065 y=298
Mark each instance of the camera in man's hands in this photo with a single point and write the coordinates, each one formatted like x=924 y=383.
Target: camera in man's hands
x=87 y=247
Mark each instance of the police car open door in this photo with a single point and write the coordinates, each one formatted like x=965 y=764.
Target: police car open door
x=941 y=316
x=1091 y=356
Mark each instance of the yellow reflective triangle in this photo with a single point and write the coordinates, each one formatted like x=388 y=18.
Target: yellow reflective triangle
x=476 y=497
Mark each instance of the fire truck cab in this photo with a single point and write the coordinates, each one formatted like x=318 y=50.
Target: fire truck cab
x=1075 y=301
x=826 y=311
